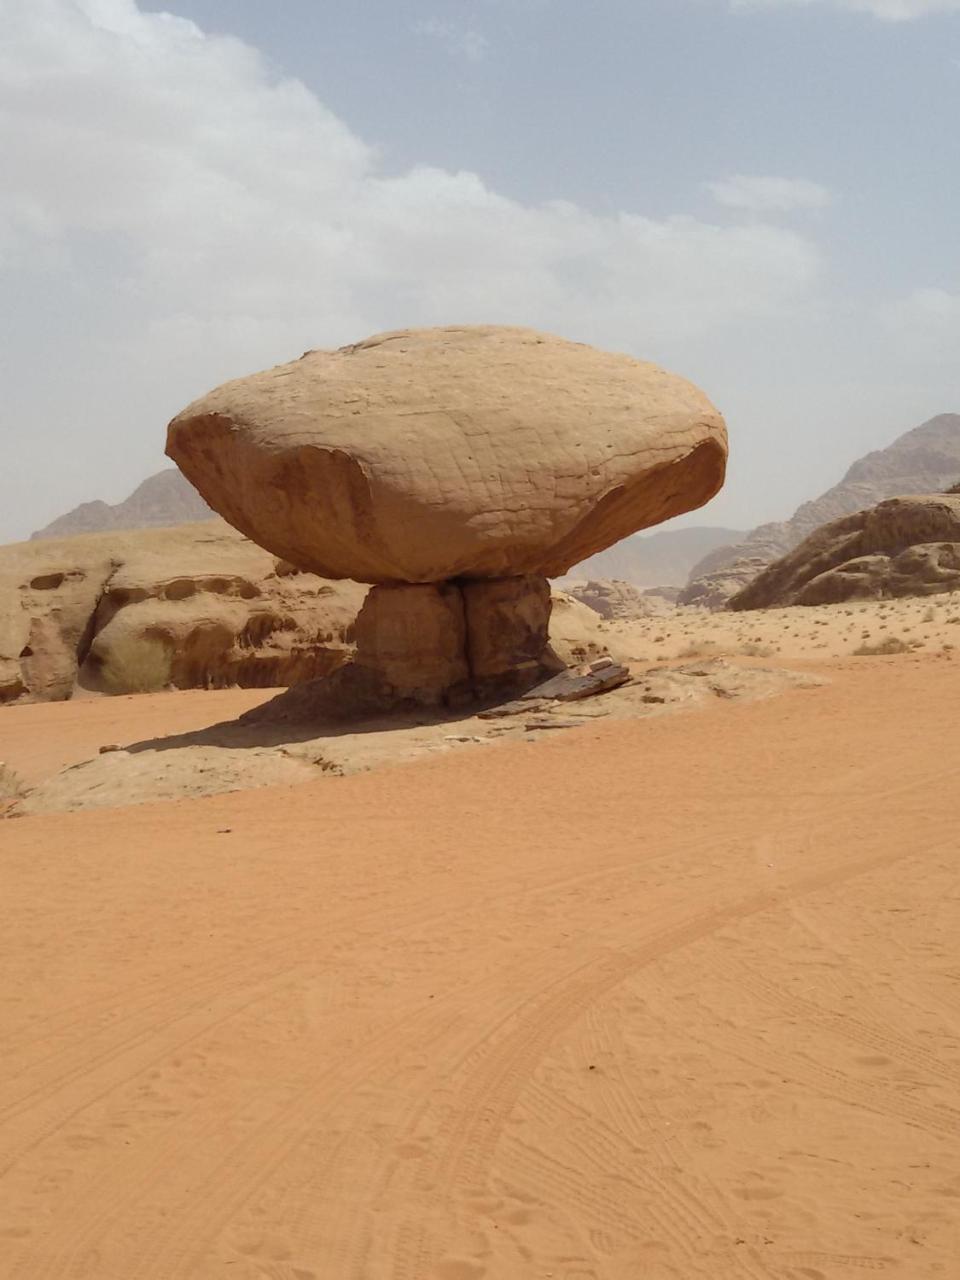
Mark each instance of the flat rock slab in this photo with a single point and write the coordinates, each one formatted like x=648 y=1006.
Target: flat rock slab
x=552 y=722
x=571 y=685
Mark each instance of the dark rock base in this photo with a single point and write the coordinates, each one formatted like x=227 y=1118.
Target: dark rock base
x=444 y=645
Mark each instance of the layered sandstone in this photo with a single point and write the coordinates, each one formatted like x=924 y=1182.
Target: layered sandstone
x=908 y=546
x=198 y=606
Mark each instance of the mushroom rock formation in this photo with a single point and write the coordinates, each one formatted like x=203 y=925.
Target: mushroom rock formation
x=455 y=455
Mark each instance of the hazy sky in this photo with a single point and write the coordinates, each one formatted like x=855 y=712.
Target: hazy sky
x=763 y=195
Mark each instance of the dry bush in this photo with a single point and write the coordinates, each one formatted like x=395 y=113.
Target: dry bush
x=754 y=650
x=698 y=650
x=892 y=644
x=11 y=786
x=141 y=665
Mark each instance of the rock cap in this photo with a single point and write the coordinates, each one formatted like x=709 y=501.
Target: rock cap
x=428 y=454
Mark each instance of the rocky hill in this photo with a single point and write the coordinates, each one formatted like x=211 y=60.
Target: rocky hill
x=164 y=499
x=924 y=460
x=907 y=546
x=662 y=559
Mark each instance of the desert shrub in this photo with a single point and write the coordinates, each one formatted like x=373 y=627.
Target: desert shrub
x=696 y=650
x=892 y=644
x=11 y=786
x=140 y=664
x=754 y=650
x=954 y=488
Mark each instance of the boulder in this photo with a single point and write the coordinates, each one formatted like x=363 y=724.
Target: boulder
x=908 y=546
x=576 y=635
x=471 y=452
x=508 y=622
x=713 y=590
x=415 y=638
x=48 y=596
x=12 y=786
x=618 y=601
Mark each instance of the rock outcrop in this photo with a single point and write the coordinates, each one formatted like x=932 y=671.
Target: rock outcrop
x=200 y=606
x=193 y=607
x=618 y=601
x=714 y=590
x=427 y=455
x=924 y=460
x=907 y=546
x=12 y=786
x=576 y=634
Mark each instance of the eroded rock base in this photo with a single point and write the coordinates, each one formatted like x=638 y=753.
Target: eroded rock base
x=433 y=645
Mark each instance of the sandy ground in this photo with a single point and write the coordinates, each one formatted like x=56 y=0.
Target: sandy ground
x=214 y=753
x=37 y=739
x=929 y=624
x=663 y=998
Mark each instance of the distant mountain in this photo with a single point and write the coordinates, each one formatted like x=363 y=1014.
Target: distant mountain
x=661 y=559
x=164 y=499
x=924 y=460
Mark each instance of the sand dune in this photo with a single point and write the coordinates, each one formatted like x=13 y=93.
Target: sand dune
x=664 y=998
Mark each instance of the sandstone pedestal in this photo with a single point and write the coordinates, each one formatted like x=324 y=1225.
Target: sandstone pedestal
x=436 y=645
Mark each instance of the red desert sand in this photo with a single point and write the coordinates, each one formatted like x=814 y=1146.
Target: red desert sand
x=666 y=998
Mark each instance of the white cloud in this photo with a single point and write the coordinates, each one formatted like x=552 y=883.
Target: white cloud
x=769 y=195
x=888 y=10
x=171 y=214
x=464 y=42
x=171 y=164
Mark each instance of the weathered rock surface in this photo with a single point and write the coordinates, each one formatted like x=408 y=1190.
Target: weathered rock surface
x=426 y=455
x=713 y=590
x=924 y=460
x=508 y=621
x=414 y=638
x=201 y=607
x=196 y=606
x=432 y=645
x=618 y=601
x=905 y=546
x=575 y=632
x=12 y=786
x=124 y=778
